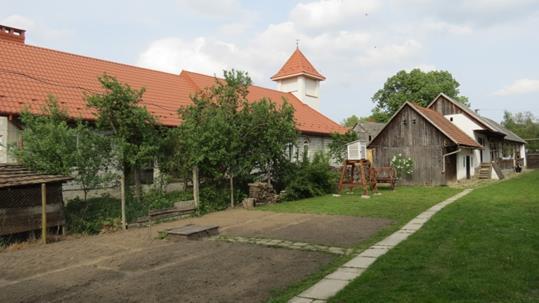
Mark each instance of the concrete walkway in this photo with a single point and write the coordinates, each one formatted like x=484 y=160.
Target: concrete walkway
x=334 y=282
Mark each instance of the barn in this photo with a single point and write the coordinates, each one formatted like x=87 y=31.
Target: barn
x=429 y=139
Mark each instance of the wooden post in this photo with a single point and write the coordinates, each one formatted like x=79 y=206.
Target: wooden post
x=196 y=189
x=43 y=213
x=231 y=191
x=122 y=198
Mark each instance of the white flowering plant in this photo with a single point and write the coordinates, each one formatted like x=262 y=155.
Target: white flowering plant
x=403 y=165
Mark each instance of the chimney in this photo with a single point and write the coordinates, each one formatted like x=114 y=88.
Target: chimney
x=11 y=34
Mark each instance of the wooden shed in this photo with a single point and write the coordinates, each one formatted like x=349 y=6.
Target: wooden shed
x=425 y=136
x=21 y=199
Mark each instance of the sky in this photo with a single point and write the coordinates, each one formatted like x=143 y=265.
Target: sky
x=490 y=46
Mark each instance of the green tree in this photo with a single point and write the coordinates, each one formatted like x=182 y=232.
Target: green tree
x=415 y=86
x=224 y=134
x=350 y=121
x=337 y=147
x=57 y=145
x=133 y=130
x=525 y=125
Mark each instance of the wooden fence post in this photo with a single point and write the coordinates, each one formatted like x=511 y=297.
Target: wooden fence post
x=43 y=213
x=196 y=189
x=122 y=199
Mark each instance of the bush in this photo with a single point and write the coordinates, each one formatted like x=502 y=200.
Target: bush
x=312 y=178
x=92 y=215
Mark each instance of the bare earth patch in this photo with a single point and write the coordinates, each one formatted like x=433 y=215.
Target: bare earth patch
x=134 y=266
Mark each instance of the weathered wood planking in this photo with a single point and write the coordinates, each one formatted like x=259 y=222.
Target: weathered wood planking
x=413 y=136
x=20 y=208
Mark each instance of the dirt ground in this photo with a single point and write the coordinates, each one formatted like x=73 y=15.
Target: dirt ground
x=135 y=266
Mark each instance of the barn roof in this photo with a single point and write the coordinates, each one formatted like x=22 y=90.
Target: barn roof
x=297 y=65
x=437 y=120
x=445 y=126
x=17 y=175
x=29 y=74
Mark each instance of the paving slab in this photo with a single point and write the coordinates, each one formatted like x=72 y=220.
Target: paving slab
x=324 y=289
x=360 y=262
x=345 y=273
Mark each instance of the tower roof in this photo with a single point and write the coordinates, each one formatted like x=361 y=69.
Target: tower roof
x=297 y=65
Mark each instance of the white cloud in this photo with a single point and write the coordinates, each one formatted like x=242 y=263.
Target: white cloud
x=36 y=30
x=521 y=86
x=324 y=13
x=213 y=8
x=391 y=54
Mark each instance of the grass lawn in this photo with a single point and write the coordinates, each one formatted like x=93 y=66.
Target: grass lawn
x=482 y=248
x=400 y=205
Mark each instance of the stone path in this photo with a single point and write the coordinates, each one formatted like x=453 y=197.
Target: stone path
x=285 y=244
x=334 y=282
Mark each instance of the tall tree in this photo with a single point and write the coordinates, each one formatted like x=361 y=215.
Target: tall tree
x=55 y=144
x=133 y=130
x=415 y=86
x=224 y=134
x=350 y=121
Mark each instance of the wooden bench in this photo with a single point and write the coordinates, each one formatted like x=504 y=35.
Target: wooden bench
x=386 y=175
x=180 y=209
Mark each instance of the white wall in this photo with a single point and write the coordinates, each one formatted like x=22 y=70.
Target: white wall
x=3 y=139
x=467 y=125
x=305 y=89
x=461 y=163
x=9 y=135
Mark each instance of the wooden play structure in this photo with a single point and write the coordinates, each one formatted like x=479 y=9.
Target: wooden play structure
x=360 y=173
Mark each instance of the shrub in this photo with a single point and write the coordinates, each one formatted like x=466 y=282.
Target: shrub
x=403 y=165
x=94 y=214
x=312 y=178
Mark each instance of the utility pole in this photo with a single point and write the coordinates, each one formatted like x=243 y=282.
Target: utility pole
x=43 y=213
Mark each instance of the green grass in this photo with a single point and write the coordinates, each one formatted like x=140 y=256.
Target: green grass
x=400 y=206
x=482 y=248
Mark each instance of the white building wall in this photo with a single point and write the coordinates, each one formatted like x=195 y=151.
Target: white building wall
x=467 y=125
x=461 y=163
x=9 y=136
x=305 y=89
x=3 y=139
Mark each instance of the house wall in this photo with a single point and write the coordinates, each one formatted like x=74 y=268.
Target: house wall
x=9 y=135
x=461 y=163
x=467 y=125
x=420 y=141
x=305 y=89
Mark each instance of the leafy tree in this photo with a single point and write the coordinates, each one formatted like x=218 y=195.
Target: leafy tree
x=415 y=86
x=337 y=147
x=350 y=121
x=133 y=130
x=525 y=125
x=224 y=134
x=57 y=145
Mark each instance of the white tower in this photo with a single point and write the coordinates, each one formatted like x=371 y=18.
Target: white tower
x=298 y=76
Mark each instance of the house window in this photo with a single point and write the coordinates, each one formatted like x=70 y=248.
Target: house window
x=451 y=119
x=306 y=148
x=413 y=121
x=405 y=122
x=370 y=138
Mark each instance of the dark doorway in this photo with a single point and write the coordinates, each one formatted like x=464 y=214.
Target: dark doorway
x=468 y=167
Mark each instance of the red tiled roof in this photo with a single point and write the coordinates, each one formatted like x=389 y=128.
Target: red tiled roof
x=28 y=74
x=445 y=126
x=307 y=119
x=297 y=64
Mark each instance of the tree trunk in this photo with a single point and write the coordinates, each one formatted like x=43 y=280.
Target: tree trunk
x=138 y=183
x=122 y=198
x=196 y=194
x=231 y=191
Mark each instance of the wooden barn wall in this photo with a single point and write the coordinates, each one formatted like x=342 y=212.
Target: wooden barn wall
x=446 y=107
x=420 y=141
x=20 y=208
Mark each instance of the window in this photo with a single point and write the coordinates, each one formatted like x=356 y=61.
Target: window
x=370 y=138
x=413 y=121
x=405 y=122
x=451 y=119
x=306 y=148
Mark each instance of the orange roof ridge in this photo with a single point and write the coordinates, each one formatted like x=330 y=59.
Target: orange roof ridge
x=296 y=65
